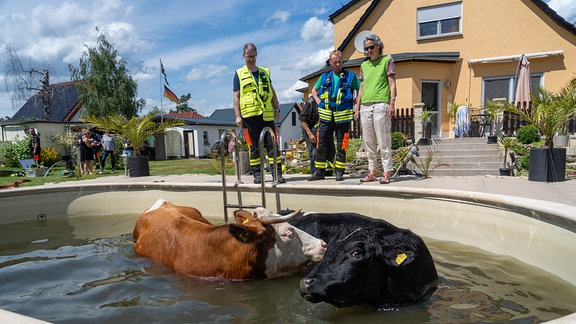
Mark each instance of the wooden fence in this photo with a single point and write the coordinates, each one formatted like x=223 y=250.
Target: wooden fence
x=512 y=122
x=402 y=122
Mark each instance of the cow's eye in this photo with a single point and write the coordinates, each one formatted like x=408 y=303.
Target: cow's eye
x=356 y=253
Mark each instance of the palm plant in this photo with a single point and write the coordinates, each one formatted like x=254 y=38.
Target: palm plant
x=507 y=144
x=549 y=112
x=492 y=112
x=135 y=129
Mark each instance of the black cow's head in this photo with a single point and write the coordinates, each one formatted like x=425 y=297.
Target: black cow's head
x=372 y=266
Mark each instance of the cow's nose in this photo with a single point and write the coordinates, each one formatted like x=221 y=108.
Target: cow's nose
x=323 y=244
x=305 y=284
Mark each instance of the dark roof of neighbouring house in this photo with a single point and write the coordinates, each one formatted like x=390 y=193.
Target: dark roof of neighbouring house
x=354 y=31
x=439 y=57
x=64 y=104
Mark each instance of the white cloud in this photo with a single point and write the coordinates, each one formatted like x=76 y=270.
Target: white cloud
x=279 y=16
x=320 y=32
x=566 y=8
x=290 y=94
x=207 y=72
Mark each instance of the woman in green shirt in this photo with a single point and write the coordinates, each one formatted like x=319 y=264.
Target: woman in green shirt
x=376 y=106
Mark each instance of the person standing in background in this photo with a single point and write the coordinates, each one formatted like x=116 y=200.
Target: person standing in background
x=127 y=149
x=309 y=120
x=86 y=152
x=151 y=146
x=109 y=148
x=34 y=145
x=376 y=107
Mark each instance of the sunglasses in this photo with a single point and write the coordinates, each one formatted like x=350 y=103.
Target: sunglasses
x=371 y=47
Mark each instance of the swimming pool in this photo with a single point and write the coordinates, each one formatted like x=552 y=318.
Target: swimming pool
x=515 y=231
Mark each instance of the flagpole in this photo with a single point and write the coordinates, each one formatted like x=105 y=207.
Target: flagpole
x=161 y=94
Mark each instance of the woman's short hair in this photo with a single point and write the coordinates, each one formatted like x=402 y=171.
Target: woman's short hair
x=376 y=40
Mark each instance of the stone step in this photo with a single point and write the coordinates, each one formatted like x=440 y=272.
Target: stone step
x=461 y=152
x=446 y=172
x=465 y=157
x=488 y=162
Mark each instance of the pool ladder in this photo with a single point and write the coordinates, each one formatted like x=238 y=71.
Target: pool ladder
x=275 y=175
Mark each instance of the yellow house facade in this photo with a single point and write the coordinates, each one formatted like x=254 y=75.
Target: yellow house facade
x=463 y=52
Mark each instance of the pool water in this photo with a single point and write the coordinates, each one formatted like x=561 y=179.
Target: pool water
x=67 y=271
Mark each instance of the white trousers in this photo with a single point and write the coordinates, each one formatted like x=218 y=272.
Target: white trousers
x=376 y=126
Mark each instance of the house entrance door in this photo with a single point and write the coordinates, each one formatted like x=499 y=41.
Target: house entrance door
x=431 y=100
x=189 y=144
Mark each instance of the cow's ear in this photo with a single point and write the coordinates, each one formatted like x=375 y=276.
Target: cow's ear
x=243 y=233
x=398 y=249
x=242 y=216
x=400 y=258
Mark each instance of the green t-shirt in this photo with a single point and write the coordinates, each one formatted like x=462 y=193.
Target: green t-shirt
x=375 y=74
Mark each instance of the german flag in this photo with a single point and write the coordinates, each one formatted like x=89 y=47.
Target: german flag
x=170 y=95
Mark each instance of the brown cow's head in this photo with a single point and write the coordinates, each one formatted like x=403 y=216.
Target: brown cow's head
x=248 y=228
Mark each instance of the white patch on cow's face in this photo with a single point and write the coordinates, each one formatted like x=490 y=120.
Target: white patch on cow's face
x=293 y=250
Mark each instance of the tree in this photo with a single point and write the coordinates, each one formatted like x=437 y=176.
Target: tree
x=104 y=83
x=154 y=112
x=183 y=106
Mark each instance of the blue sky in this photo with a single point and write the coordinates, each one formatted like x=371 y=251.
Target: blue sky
x=200 y=42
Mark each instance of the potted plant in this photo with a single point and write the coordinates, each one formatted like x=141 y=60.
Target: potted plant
x=549 y=113
x=136 y=130
x=507 y=143
x=452 y=112
x=426 y=119
x=492 y=113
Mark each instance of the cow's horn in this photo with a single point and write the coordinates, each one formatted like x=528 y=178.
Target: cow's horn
x=266 y=217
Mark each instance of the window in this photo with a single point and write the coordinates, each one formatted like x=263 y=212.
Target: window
x=504 y=87
x=205 y=137
x=293 y=118
x=439 y=21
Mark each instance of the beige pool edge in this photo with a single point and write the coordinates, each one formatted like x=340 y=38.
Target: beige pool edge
x=527 y=229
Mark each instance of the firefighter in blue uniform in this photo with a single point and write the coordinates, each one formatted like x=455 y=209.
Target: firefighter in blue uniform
x=335 y=95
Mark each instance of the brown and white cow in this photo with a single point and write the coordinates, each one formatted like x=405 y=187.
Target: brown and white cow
x=259 y=245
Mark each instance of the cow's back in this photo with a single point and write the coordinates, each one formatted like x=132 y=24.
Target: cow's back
x=334 y=226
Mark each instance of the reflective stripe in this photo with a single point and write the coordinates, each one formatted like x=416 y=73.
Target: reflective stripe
x=340 y=165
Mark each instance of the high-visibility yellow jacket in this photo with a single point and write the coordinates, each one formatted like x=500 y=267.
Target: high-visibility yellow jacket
x=255 y=97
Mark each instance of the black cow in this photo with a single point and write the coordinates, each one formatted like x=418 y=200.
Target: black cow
x=368 y=262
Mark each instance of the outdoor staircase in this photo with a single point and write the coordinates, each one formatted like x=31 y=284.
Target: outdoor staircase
x=468 y=156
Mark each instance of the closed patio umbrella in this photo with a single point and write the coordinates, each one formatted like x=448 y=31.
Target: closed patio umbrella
x=523 y=96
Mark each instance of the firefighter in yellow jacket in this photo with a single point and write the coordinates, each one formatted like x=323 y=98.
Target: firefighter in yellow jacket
x=256 y=107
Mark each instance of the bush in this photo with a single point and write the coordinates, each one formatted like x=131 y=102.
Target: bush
x=48 y=156
x=528 y=134
x=524 y=163
x=398 y=140
x=13 y=152
x=353 y=147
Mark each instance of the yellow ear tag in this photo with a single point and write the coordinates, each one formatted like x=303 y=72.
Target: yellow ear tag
x=401 y=258
x=245 y=221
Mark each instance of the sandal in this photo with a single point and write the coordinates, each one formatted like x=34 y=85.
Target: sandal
x=369 y=178
x=385 y=179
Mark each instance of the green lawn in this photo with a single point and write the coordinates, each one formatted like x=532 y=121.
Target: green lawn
x=9 y=175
